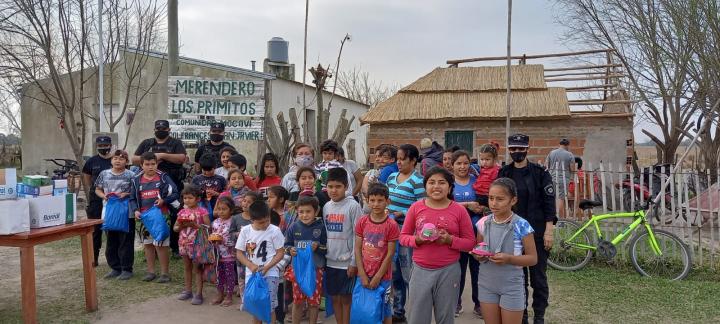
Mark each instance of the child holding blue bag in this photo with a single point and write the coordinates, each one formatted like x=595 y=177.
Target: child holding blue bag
x=376 y=237
x=153 y=188
x=117 y=182
x=309 y=231
x=260 y=248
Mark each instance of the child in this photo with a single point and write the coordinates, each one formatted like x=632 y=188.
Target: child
x=509 y=239
x=238 y=161
x=227 y=277
x=240 y=219
x=488 y=172
x=263 y=244
x=236 y=186
x=208 y=182
x=375 y=238
x=340 y=215
x=306 y=179
x=277 y=197
x=120 y=253
x=188 y=224
x=329 y=150
x=268 y=175
x=153 y=188
x=389 y=157
x=225 y=155
x=309 y=230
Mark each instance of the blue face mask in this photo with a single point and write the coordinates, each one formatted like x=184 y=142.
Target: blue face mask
x=304 y=161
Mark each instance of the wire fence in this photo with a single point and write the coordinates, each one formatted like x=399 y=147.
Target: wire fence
x=689 y=207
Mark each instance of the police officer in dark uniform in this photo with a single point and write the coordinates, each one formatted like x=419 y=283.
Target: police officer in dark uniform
x=536 y=203
x=171 y=156
x=91 y=170
x=214 y=145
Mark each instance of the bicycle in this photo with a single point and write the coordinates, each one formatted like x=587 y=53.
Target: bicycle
x=69 y=170
x=654 y=253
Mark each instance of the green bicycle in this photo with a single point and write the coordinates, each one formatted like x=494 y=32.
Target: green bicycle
x=654 y=253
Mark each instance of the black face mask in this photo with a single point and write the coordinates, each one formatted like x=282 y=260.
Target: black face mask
x=161 y=134
x=217 y=137
x=518 y=156
x=104 y=151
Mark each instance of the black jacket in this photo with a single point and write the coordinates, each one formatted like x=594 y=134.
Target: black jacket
x=541 y=206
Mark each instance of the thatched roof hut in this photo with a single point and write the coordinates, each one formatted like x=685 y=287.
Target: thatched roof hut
x=473 y=93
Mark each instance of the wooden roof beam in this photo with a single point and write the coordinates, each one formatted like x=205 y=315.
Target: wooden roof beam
x=599 y=86
x=584 y=67
x=501 y=58
x=605 y=77
x=599 y=102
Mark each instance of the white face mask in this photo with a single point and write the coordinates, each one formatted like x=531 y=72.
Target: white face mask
x=304 y=161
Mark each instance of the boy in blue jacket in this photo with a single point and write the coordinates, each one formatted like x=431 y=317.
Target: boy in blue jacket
x=308 y=230
x=153 y=188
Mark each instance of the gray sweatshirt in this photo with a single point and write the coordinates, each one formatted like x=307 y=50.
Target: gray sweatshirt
x=340 y=218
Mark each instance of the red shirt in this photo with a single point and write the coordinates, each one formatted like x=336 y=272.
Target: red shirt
x=150 y=193
x=249 y=182
x=485 y=179
x=268 y=182
x=454 y=219
x=375 y=238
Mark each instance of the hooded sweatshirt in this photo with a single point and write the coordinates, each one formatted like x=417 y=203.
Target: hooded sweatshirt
x=432 y=157
x=340 y=218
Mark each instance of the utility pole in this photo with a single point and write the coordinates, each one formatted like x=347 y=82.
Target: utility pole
x=173 y=55
x=101 y=71
x=304 y=106
x=509 y=83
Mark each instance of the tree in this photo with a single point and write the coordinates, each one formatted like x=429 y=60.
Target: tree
x=652 y=45
x=9 y=109
x=357 y=85
x=48 y=47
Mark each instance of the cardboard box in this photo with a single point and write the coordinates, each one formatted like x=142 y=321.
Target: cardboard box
x=8 y=182
x=26 y=190
x=15 y=217
x=60 y=191
x=36 y=180
x=48 y=211
x=62 y=183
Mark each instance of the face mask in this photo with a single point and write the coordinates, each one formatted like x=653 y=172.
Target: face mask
x=217 y=137
x=104 y=151
x=518 y=156
x=304 y=161
x=162 y=134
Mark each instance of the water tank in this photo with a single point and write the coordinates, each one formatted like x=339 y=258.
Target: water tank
x=278 y=50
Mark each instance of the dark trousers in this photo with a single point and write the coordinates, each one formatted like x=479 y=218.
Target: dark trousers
x=538 y=281
x=120 y=249
x=175 y=236
x=94 y=211
x=465 y=260
x=280 y=309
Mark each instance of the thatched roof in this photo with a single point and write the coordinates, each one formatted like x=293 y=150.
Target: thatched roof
x=463 y=93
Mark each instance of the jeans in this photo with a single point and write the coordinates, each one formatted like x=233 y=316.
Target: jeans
x=402 y=270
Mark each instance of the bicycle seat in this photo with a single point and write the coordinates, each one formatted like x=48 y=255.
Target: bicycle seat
x=586 y=204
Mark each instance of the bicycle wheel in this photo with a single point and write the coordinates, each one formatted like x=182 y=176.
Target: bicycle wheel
x=564 y=256
x=675 y=260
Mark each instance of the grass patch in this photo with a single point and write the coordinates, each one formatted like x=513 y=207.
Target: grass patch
x=601 y=294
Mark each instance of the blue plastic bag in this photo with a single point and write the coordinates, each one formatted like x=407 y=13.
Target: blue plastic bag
x=155 y=224
x=304 y=268
x=256 y=300
x=367 y=304
x=116 y=215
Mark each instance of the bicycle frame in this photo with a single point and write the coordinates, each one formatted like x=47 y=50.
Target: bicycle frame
x=596 y=219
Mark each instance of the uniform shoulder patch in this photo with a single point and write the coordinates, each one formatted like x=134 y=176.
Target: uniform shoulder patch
x=550 y=190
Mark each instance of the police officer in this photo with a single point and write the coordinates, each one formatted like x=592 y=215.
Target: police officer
x=214 y=145
x=91 y=170
x=536 y=203
x=171 y=156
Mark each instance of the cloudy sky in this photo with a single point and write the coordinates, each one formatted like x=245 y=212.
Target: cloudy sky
x=396 y=41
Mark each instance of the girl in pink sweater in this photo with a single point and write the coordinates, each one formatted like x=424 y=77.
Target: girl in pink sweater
x=437 y=229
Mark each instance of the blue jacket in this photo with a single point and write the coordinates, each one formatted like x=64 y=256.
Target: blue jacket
x=299 y=234
x=168 y=191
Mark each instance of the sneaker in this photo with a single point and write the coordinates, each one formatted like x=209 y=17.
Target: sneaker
x=125 y=275
x=458 y=310
x=149 y=277
x=477 y=311
x=112 y=274
x=185 y=295
x=197 y=299
x=164 y=278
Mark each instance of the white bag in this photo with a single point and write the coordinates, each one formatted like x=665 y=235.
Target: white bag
x=16 y=219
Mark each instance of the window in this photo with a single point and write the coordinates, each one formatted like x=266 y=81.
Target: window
x=463 y=139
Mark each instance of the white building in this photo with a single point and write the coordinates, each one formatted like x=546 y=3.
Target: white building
x=43 y=138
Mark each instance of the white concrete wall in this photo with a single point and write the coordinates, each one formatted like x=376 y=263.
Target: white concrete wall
x=288 y=94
